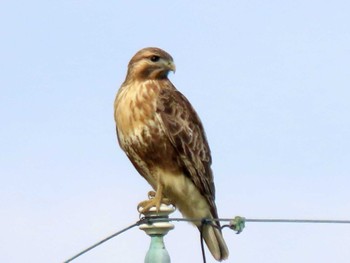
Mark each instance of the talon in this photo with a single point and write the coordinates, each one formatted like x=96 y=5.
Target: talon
x=141 y=205
x=145 y=206
x=166 y=201
x=151 y=194
x=155 y=200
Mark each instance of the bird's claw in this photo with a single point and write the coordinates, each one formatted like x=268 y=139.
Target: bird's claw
x=151 y=194
x=154 y=201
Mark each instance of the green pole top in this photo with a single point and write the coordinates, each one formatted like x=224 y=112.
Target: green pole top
x=157 y=252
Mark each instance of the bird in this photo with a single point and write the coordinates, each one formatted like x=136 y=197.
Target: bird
x=163 y=137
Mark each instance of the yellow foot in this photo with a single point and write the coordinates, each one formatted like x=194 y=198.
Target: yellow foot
x=155 y=200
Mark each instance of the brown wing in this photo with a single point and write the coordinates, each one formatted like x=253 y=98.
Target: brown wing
x=185 y=131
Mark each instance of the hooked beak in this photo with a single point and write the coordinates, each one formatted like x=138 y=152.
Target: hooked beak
x=171 y=66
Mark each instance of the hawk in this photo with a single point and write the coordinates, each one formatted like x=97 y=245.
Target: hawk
x=163 y=137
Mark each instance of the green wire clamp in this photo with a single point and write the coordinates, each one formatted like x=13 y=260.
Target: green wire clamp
x=237 y=224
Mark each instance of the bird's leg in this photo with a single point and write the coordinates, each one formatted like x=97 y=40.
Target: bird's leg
x=155 y=199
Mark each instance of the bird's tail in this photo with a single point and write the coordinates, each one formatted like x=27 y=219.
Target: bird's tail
x=215 y=241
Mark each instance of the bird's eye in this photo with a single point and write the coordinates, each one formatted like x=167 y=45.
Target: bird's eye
x=155 y=58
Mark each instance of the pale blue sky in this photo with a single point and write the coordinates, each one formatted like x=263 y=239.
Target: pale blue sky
x=269 y=79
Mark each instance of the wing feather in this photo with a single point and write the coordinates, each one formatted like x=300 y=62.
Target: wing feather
x=184 y=129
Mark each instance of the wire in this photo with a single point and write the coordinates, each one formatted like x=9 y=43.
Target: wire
x=202 y=239
x=315 y=221
x=104 y=240
x=252 y=220
x=236 y=224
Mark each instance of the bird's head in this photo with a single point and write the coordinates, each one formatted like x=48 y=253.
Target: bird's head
x=150 y=63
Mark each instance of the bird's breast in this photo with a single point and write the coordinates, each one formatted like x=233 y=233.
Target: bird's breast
x=135 y=108
x=140 y=132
